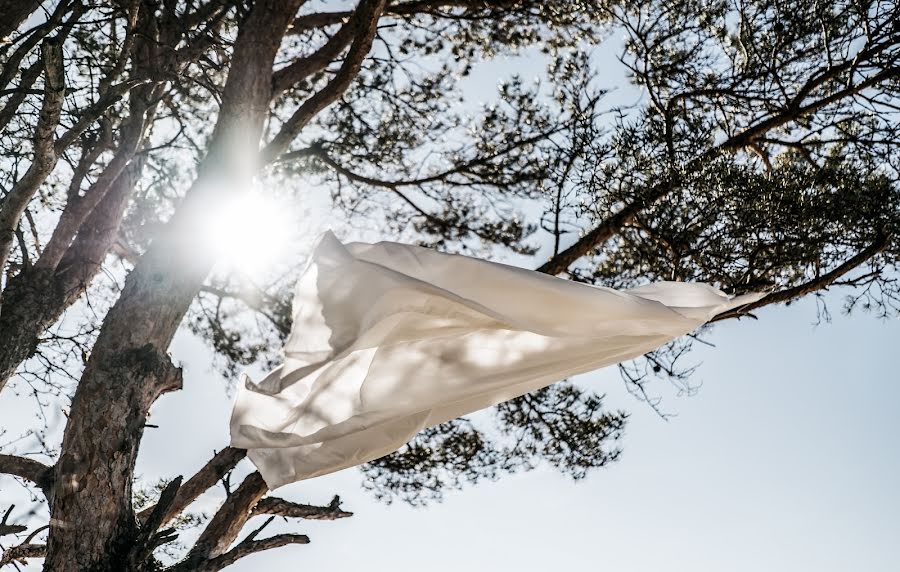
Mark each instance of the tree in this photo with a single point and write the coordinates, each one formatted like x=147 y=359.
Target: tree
x=761 y=155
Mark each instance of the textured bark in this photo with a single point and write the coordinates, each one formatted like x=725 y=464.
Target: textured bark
x=280 y=507
x=128 y=369
x=34 y=299
x=227 y=523
x=45 y=155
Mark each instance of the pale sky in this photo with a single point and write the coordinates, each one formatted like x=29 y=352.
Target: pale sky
x=785 y=461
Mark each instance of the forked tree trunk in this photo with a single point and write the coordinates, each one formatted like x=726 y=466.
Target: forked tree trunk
x=93 y=525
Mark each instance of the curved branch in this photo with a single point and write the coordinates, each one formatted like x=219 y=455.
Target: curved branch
x=288 y=76
x=224 y=527
x=363 y=24
x=819 y=283
x=248 y=547
x=28 y=469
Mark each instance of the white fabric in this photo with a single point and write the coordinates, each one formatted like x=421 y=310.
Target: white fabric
x=390 y=338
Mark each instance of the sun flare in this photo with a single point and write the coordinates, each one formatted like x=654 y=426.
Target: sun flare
x=249 y=234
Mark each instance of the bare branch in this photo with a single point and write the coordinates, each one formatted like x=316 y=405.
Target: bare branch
x=203 y=480
x=18 y=554
x=224 y=527
x=6 y=528
x=248 y=547
x=29 y=76
x=280 y=507
x=28 y=469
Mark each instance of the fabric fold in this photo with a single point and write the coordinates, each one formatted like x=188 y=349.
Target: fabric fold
x=391 y=338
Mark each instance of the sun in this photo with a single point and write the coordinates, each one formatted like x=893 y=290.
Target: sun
x=249 y=234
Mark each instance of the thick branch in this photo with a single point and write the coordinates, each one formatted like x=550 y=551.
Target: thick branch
x=13 y=13
x=45 y=157
x=35 y=299
x=602 y=232
x=225 y=526
x=363 y=25
x=248 y=547
x=18 y=554
x=211 y=473
x=302 y=68
x=28 y=469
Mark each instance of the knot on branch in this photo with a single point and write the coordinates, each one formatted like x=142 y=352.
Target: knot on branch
x=146 y=361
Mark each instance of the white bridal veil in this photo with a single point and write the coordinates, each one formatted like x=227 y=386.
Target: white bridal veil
x=390 y=338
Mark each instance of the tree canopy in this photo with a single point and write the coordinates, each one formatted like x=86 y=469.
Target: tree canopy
x=761 y=153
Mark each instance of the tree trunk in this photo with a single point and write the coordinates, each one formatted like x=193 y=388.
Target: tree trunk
x=94 y=525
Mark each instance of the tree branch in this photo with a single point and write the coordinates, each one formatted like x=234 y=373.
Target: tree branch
x=248 y=547
x=612 y=225
x=811 y=286
x=45 y=156
x=28 y=469
x=224 y=527
x=79 y=208
x=280 y=507
x=29 y=76
x=308 y=22
x=363 y=24
x=304 y=67
x=603 y=231
x=6 y=528
x=211 y=473
x=18 y=554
